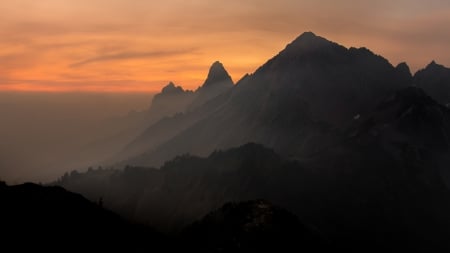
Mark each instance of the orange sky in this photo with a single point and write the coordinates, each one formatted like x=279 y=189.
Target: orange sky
x=140 y=45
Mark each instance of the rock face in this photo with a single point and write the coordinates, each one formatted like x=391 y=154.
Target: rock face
x=434 y=80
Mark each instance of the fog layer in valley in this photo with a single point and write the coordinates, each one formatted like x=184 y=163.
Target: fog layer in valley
x=44 y=135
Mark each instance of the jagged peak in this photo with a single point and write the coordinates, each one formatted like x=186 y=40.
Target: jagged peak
x=307 y=36
x=432 y=66
x=171 y=88
x=404 y=68
x=308 y=40
x=402 y=65
x=218 y=75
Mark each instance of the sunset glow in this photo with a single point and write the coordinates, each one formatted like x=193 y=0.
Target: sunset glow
x=118 y=46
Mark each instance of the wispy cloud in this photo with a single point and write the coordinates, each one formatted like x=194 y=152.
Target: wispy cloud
x=129 y=55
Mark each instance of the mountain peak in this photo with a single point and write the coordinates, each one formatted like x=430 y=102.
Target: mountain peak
x=404 y=69
x=308 y=40
x=308 y=35
x=218 y=75
x=171 y=88
x=434 y=65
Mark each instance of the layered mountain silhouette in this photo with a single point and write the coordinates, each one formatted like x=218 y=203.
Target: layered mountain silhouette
x=289 y=104
x=180 y=110
x=357 y=148
x=356 y=196
x=174 y=99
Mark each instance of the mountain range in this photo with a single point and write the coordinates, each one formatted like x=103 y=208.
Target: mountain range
x=296 y=103
x=357 y=148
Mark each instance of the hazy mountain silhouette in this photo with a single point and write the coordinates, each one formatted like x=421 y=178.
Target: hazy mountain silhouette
x=185 y=107
x=289 y=104
x=253 y=226
x=51 y=219
x=435 y=80
x=172 y=99
x=217 y=82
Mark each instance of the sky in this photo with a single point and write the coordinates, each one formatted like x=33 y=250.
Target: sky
x=141 y=45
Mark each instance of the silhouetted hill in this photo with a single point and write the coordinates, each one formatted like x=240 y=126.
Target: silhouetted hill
x=253 y=226
x=51 y=219
x=435 y=80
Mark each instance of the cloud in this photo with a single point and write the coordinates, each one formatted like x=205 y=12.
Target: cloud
x=130 y=55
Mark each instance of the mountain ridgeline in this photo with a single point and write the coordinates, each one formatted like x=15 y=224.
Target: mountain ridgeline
x=296 y=103
x=357 y=148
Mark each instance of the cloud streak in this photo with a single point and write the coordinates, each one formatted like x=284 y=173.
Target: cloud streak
x=129 y=55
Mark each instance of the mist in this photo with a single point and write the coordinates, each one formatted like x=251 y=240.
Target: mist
x=44 y=135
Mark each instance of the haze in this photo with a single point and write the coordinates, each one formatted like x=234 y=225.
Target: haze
x=46 y=134
x=67 y=66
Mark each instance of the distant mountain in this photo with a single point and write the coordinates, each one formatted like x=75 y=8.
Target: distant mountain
x=253 y=226
x=180 y=109
x=174 y=99
x=435 y=80
x=171 y=100
x=36 y=218
x=217 y=82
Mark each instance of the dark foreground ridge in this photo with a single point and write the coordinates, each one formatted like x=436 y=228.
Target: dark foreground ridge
x=34 y=218
x=51 y=219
